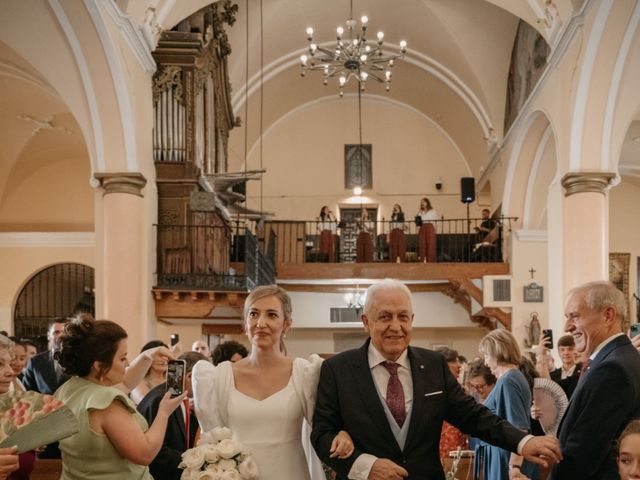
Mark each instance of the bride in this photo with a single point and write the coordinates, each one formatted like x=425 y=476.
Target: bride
x=266 y=397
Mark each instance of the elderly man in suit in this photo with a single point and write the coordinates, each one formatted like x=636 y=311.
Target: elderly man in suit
x=392 y=399
x=182 y=425
x=608 y=393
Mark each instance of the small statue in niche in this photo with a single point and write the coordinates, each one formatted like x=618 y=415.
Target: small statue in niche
x=533 y=331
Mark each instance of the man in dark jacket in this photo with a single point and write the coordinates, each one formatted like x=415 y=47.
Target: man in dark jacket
x=182 y=425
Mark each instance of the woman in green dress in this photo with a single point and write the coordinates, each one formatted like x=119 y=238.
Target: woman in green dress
x=114 y=441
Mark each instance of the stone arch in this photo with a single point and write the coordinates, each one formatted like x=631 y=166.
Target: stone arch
x=524 y=159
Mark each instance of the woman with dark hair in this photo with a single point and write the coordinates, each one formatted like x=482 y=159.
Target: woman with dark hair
x=427 y=233
x=510 y=399
x=364 y=240
x=230 y=350
x=114 y=441
x=267 y=397
x=327 y=226
x=156 y=374
x=397 y=241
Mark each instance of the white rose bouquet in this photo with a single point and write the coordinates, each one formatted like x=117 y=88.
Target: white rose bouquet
x=217 y=456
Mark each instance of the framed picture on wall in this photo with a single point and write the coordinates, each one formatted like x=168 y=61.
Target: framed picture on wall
x=357 y=166
x=533 y=293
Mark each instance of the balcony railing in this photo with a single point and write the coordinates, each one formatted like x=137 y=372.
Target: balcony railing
x=451 y=240
x=197 y=257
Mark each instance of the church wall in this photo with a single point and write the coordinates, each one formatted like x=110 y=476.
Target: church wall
x=55 y=197
x=624 y=230
x=305 y=171
x=19 y=263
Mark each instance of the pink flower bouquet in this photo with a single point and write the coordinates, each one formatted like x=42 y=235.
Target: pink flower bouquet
x=31 y=419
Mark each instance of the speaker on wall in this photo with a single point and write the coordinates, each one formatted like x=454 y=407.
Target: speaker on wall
x=467 y=189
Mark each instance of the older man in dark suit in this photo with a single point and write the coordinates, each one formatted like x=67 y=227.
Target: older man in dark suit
x=608 y=393
x=392 y=399
x=182 y=425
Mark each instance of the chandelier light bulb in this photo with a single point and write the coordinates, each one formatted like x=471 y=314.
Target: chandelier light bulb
x=355 y=42
x=364 y=20
x=363 y=58
x=357 y=191
x=380 y=36
x=339 y=31
x=303 y=60
x=367 y=49
x=309 y=33
x=364 y=76
x=342 y=80
x=403 y=46
x=387 y=75
x=313 y=47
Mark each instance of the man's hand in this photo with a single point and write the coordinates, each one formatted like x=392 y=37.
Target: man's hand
x=543 y=450
x=8 y=461
x=385 y=469
x=635 y=341
x=516 y=474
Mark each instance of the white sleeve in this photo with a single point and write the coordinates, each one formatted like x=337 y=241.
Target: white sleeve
x=362 y=467
x=208 y=389
x=306 y=375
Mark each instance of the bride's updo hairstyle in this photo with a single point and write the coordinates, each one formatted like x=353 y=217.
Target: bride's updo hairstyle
x=86 y=341
x=270 y=291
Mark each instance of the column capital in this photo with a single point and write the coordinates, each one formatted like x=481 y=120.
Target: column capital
x=595 y=181
x=122 y=182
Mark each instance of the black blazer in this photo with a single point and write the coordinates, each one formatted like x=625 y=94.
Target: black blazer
x=568 y=384
x=347 y=399
x=605 y=400
x=165 y=465
x=40 y=374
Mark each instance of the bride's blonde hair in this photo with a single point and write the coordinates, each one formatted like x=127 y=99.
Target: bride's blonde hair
x=264 y=291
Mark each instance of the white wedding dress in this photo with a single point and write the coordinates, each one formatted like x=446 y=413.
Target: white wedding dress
x=271 y=428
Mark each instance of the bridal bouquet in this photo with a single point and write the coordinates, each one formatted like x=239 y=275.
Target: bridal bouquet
x=217 y=456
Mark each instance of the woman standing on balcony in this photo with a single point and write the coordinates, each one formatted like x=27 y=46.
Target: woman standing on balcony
x=364 y=241
x=427 y=233
x=397 y=242
x=327 y=229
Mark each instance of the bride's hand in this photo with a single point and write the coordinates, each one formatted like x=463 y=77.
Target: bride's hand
x=341 y=446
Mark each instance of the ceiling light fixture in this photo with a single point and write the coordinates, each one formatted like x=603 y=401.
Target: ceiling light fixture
x=354 y=56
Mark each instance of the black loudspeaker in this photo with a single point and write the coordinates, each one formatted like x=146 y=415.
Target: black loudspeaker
x=467 y=189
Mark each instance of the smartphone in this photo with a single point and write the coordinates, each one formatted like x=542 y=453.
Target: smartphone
x=175 y=338
x=175 y=377
x=547 y=332
x=635 y=329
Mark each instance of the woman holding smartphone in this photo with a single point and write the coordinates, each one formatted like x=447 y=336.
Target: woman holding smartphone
x=114 y=442
x=266 y=397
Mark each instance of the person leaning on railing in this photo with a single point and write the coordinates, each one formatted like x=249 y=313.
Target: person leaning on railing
x=397 y=241
x=426 y=219
x=327 y=226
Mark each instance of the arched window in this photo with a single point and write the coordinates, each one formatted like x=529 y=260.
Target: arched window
x=60 y=290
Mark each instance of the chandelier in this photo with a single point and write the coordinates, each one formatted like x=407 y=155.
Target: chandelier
x=353 y=57
x=356 y=300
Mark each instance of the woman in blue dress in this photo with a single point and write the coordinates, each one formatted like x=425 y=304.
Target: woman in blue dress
x=509 y=399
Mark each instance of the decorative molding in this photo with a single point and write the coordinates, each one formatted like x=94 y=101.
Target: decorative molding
x=557 y=53
x=629 y=170
x=533 y=175
x=584 y=82
x=44 y=124
x=97 y=154
x=586 y=181
x=614 y=87
x=128 y=124
x=141 y=45
x=525 y=235
x=47 y=239
x=124 y=182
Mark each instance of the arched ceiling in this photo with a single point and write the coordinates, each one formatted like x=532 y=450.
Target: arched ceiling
x=455 y=71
